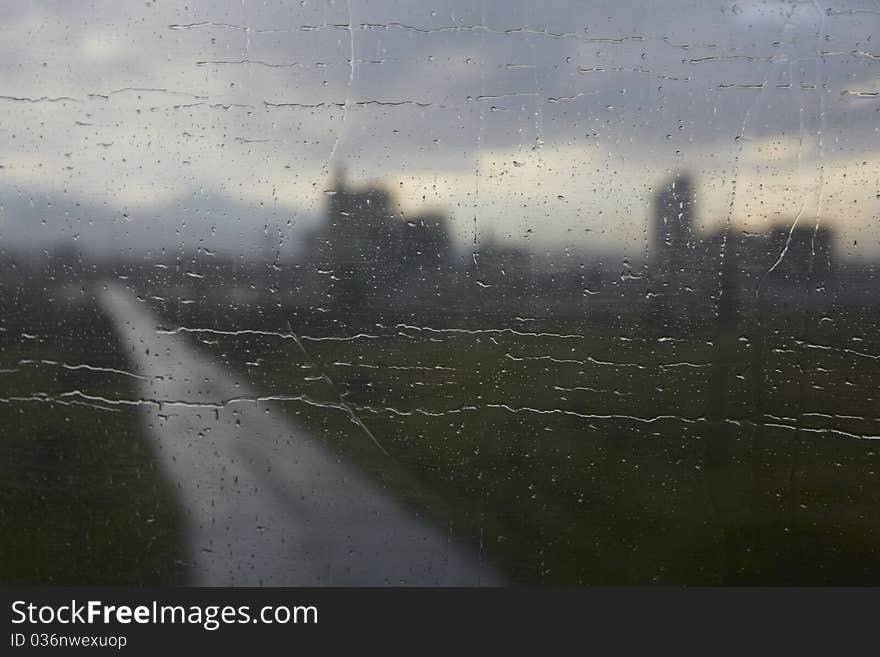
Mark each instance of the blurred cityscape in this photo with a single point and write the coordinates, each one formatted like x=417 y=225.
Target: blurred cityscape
x=703 y=415
x=388 y=293
x=363 y=252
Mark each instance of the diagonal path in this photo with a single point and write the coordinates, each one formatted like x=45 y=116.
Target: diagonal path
x=265 y=504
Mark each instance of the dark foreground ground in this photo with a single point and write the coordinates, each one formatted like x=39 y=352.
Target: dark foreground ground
x=606 y=449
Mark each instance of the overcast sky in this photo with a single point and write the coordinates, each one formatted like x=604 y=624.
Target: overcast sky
x=132 y=126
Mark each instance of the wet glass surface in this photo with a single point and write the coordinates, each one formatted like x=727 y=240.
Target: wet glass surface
x=376 y=292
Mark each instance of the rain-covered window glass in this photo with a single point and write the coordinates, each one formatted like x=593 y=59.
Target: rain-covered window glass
x=381 y=292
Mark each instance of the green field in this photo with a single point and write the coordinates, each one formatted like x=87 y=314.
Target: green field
x=597 y=451
x=590 y=450
x=81 y=497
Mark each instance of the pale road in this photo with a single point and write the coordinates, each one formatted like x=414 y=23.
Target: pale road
x=264 y=503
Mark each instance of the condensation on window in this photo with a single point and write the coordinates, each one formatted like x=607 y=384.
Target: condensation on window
x=370 y=292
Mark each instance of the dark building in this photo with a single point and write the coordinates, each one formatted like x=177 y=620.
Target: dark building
x=792 y=263
x=367 y=251
x=674 y=243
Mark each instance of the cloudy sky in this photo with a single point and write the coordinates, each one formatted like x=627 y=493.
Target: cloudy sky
x=147 y=125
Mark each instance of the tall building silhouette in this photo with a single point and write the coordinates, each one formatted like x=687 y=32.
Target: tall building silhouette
x=674 y=238
x=367 y=250
x=792 y=262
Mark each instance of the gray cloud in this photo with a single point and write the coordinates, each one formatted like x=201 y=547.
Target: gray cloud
x=148 y=107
